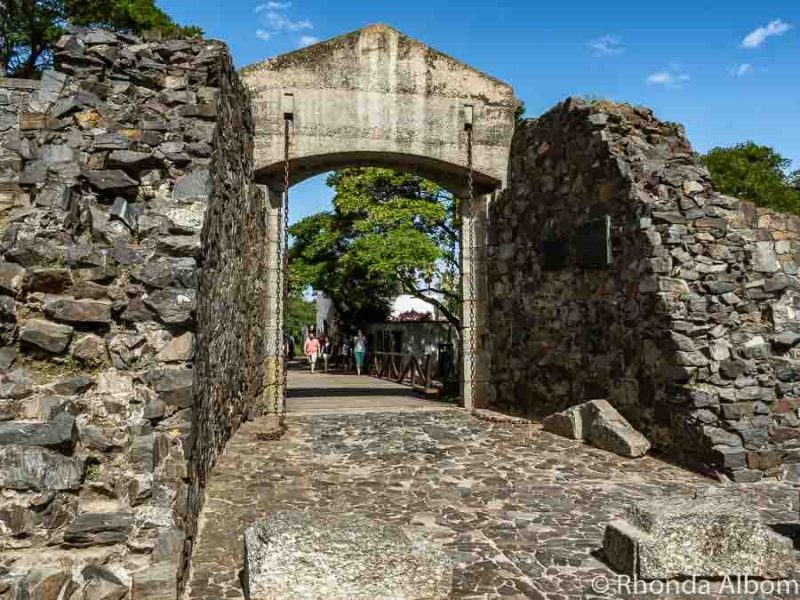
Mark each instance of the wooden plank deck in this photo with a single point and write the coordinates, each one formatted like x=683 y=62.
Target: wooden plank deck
x=335 y=393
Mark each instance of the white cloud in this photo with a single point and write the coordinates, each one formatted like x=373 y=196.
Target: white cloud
x=758 y=36
x=275 y=21
x=307 y=40
x=607 y=45
x=742 y=69
x=273 y=6
x=672 y=77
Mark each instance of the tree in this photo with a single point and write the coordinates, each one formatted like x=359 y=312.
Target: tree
x=299 y=313
x=756 y=173
x=794 y=180
x=388 y=233
x=30 y=28
x=315 y=261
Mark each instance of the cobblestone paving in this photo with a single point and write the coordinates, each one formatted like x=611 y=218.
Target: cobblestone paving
x=521 y=511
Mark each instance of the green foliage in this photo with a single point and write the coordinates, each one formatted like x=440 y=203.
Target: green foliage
x=388 y=233
x=794 y=180
x=137 y=16
x=91 y=471
x=30 y=28
x=299 y=314
x=756 y=173
x=519 y=113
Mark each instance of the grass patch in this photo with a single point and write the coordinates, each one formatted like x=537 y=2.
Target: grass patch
x=49 y=370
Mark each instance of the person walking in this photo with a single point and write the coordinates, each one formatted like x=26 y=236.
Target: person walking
x=345 y=356
x=326 y=352
x=311 y=350
x=360 y=350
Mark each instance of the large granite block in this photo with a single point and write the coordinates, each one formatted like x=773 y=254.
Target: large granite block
x=713 y=536
x=316 y=556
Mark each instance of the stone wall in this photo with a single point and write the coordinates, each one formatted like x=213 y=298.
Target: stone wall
x=16 y=95
x=127 y=172
x=690 y=331
x=231 y=306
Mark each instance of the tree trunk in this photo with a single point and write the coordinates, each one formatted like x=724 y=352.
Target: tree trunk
x=451 y=318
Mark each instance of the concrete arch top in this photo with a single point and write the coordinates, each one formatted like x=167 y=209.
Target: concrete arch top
x=377 y=97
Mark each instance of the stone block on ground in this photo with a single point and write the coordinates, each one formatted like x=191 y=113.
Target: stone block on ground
x=567 y=423
x=712 y=536
x=609 y=430
x=598 y=423
x=317 y=556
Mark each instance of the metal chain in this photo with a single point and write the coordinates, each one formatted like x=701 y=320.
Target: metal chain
x=283 y=274
x=471 y=246
x=287 y=124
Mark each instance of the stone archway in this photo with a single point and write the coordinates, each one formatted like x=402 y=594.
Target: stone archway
x=376 y=97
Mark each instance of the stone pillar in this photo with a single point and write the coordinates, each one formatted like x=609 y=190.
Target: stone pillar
x=274 y=394
x=474 y=233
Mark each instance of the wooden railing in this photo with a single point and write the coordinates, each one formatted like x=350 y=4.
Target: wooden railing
x=421 y=373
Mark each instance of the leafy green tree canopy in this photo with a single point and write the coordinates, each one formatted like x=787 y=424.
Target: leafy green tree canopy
x=30 y=28
x=755 y=173
x=299 y=313
x=388 y=233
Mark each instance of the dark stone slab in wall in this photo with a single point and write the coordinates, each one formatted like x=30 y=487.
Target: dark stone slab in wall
x=59 y=434
x=591 y=243
x=93 y=529
x=38 y=469
x=588 y=246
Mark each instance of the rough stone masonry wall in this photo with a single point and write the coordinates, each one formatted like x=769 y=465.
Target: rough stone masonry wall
x=690 y=332
x=110 y=172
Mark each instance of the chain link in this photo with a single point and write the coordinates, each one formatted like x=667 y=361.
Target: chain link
x=472 y=274
x=287 y=123
x=283 y=275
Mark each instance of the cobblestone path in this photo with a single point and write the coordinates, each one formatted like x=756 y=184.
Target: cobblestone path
x=520 y=510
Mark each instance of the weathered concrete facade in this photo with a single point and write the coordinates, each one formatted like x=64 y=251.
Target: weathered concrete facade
x=378 y=97
x=691 y=328
x=125 y=366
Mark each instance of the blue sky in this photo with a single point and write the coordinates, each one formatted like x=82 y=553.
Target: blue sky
x=728 y=70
